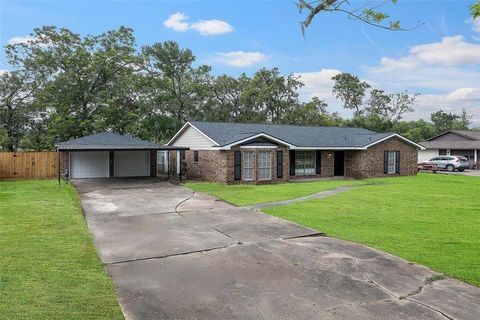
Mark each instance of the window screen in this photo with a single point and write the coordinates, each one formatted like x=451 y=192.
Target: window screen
x=248 y=165
x=265 y=165
x=391 y=160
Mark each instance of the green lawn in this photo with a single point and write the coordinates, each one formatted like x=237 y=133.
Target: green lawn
x=429 y=219
x=244 y=194
x=49 y=268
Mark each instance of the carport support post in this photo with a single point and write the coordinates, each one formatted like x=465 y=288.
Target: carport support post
x=59 y=169
x=111 y=164
x=179 y=165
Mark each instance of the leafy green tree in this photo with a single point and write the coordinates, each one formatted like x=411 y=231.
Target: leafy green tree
x=86 y=73
x=174 y=81
x=475 y=10
x=384 y=110
x=418 y=130
x=443 y=121
x=226 y=103
x=313 y=113
x=351 y=91
x=271 y=94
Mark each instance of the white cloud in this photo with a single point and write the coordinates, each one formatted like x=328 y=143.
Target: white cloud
x=450 y=51
x=211 y=27
x=317 y=83
x=240 y=59
x=179 y=22
x=20 y=40
x=454 y=101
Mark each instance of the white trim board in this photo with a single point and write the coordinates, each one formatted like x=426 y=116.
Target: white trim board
x=183 y=128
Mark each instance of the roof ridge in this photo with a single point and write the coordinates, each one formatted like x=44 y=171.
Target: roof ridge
x=276 y=124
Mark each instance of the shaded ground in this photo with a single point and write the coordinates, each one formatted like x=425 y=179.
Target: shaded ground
x=181 y=255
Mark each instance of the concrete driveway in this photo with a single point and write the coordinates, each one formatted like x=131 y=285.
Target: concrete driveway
x=174 y=254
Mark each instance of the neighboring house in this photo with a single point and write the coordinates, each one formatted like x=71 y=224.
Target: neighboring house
x=454 y=143
x=106 y=154
x=256 y=153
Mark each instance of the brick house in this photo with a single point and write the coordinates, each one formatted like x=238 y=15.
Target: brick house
x=267 y=153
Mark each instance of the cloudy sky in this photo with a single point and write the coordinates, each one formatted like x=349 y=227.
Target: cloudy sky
x=440 y=59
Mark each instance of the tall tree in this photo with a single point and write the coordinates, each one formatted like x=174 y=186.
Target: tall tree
x=443 y=121
x=384 y=110
x=312 y=113
x=174 y=80
x=351 y=91
x=86 y=73
x=272 y=94
x=226 y=102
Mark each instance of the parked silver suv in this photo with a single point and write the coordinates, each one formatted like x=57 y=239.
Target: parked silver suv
x=450 y=163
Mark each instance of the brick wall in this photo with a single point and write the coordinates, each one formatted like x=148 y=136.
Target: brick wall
x=218 y=165
x=369 y=163
x=211 y=165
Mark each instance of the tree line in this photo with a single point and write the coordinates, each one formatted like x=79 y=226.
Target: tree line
x=61 y=86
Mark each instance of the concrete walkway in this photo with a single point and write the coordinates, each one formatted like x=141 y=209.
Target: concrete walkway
x=175 y=254
x=318 y=195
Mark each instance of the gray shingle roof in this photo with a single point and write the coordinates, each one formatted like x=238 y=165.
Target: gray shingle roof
x=108 y=141
x=300 y=136
x=461 y=145
x=475 y=135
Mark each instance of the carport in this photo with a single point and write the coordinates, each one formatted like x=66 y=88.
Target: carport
x=109 y=155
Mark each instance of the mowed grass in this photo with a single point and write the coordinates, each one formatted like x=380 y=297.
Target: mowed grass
x=244 y=194
x=429 y=219
x=49 y=268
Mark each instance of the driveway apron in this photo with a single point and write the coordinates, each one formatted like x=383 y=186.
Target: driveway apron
x=174 y=254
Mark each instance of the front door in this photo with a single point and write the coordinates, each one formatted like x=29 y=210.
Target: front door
x=339 y=163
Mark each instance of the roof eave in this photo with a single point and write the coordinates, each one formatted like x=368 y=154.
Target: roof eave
x=396 y=135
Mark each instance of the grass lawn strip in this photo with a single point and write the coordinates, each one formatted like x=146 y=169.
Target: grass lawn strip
x=49 y=268
x=244 y=194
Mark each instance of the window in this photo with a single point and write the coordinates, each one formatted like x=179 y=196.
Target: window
x=304 y=162
x=442 y=152
x=264 y=165
x=391 y=160
x=162 y=162
x=195 y=156
x=248 y=165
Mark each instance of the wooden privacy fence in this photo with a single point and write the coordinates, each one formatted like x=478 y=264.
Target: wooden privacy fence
x=28 y=165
